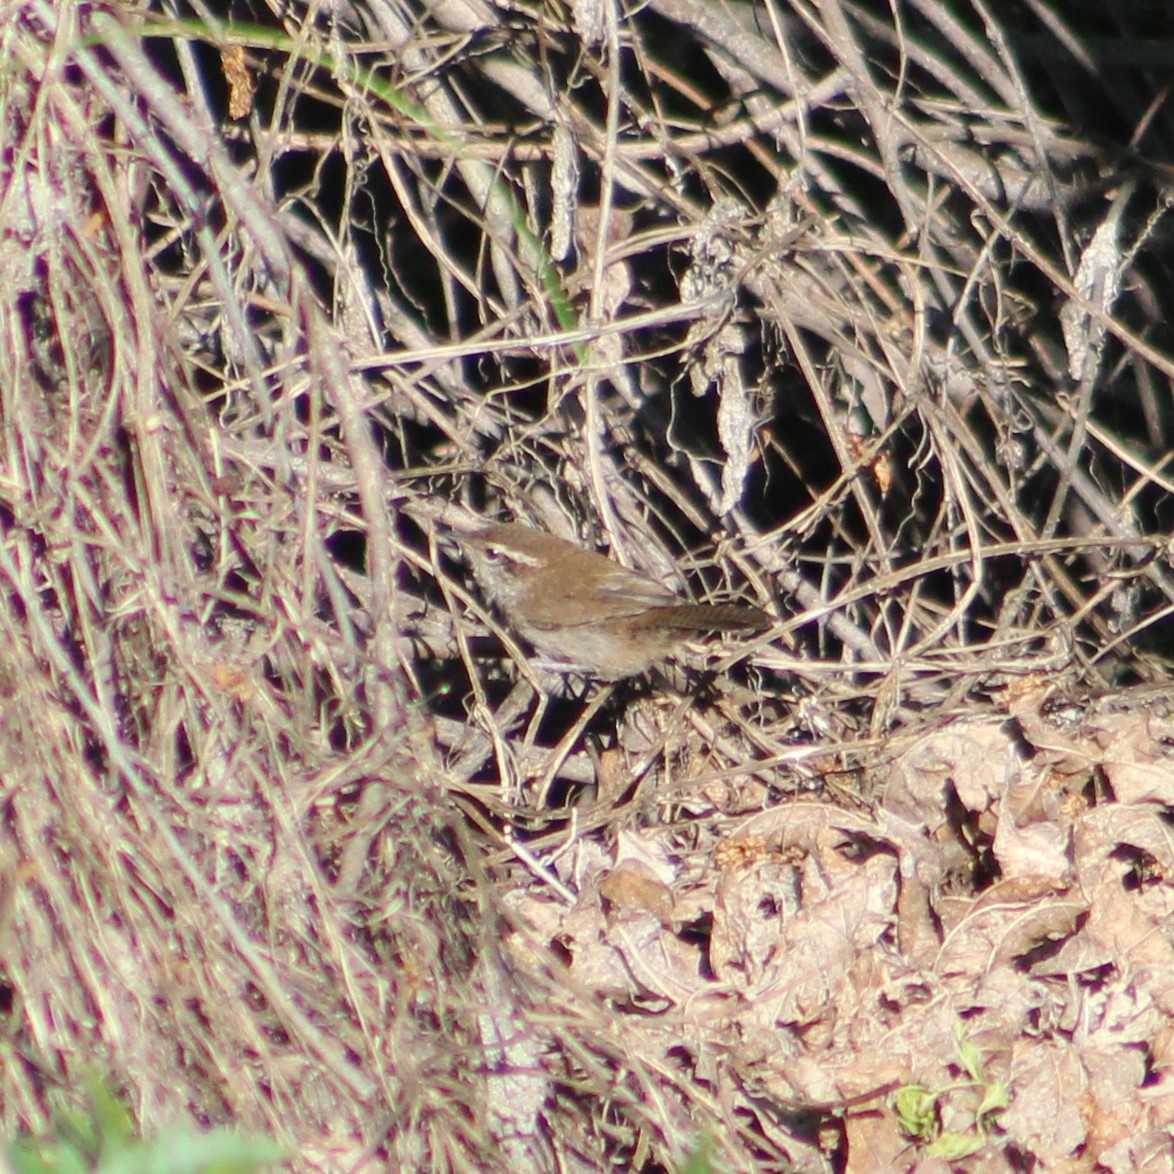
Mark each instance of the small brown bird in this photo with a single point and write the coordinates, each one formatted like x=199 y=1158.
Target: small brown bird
x=584 y=612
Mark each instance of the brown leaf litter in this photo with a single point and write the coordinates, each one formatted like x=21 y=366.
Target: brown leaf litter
x=995 y=932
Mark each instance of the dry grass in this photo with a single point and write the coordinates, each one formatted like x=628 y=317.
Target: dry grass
x=854 y=312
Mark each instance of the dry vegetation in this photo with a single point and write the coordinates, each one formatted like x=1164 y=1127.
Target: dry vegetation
x=850 y=309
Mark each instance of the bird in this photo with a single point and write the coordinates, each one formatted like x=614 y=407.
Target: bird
x=582 y=611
